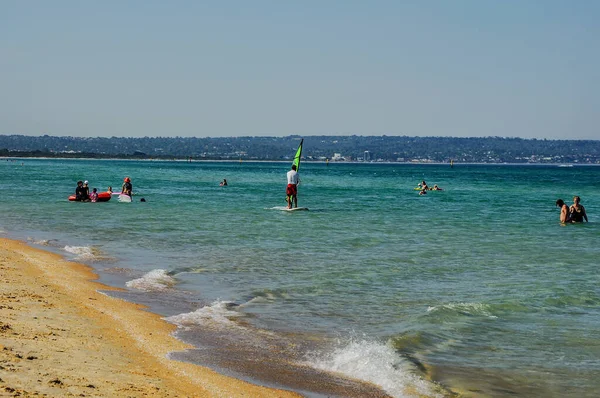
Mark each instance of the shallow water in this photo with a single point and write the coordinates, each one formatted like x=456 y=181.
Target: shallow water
x=477 y=287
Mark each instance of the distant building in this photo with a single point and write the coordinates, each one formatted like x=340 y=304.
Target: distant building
x=336 y=157
x=367 y=156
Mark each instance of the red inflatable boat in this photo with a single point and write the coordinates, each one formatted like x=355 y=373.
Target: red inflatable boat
x=102 y=197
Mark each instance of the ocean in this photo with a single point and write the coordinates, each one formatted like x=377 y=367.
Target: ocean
x=476 y=289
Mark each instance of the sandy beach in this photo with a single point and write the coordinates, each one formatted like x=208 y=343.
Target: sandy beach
x=60 y=336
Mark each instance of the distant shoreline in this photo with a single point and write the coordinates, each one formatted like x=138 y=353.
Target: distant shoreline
x=394 y=149
x=181 y=160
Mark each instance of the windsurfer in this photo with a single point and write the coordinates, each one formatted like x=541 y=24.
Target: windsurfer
x=292 y=187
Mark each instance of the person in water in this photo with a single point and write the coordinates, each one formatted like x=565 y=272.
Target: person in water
x=127 y=188
x=436 y=188
x=94 y=195
x=223 y=183
x=577 y=211
x=423 y=192
x=109 y=190
x=565 y=214
x=423 y=185
x=87 y=188
x=81 y=194
x=291 y=191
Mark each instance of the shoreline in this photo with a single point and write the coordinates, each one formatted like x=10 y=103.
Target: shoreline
x=415 y=163
x=60 y=335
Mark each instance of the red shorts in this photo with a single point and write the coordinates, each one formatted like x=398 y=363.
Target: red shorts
x=291 y=190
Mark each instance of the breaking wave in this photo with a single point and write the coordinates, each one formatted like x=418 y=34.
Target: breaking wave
x=153 y=281
x=377 y=363
x=218 y=313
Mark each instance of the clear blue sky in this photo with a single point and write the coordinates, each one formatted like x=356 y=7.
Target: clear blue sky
x=476 y=68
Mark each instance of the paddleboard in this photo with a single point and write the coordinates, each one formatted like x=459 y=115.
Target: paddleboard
x=295 y=208
x=125 y=198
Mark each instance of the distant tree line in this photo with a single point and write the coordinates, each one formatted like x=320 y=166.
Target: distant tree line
x=354 y=148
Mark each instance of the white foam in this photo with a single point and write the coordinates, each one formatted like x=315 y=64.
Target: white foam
x=84 y=252
x=376 y=363
x=41 y=242
x=216 y=313
x=155 y=280
x=464 y=308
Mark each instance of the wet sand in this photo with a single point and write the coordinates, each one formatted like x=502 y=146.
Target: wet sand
x=60 y=336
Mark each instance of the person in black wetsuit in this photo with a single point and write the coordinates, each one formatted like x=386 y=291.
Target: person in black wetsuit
x=577 y=211
x=81 y=193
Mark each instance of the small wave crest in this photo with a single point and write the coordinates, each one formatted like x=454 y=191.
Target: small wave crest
x=377 y=363
x=42 y=242
x=469 y=309
x=85 y=253
x=218 y=312
x=266 y=296
x=153 y=281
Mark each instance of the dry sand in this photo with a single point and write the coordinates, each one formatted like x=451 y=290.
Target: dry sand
x=59 y=336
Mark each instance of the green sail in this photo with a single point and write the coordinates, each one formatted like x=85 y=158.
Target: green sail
x=296 y=161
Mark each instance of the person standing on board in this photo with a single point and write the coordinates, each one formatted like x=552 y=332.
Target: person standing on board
x=292 y=187
x=577 y=211
x=565 y=214
x=127 y=187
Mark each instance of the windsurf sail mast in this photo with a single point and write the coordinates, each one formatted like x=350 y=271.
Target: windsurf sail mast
x=296 y=161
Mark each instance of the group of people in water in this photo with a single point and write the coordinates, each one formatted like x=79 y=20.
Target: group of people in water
x=423 y=188
x=568 y=214
x=82 y=192
x=574 y=213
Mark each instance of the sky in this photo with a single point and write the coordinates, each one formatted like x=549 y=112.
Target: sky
x=458 y=68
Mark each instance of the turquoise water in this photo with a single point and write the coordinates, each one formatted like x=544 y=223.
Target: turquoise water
x=476 y=288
